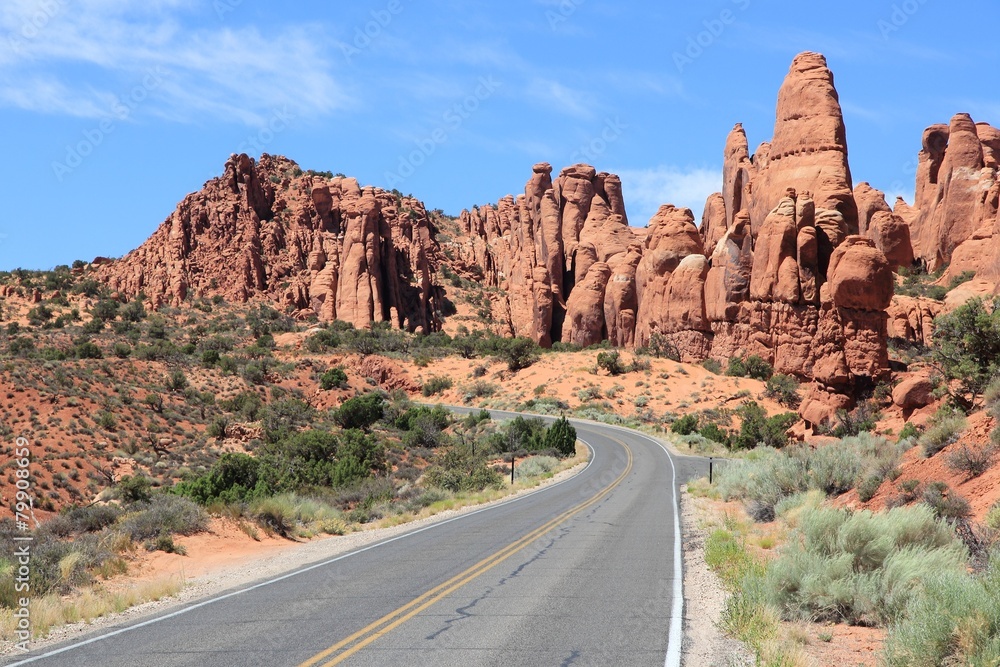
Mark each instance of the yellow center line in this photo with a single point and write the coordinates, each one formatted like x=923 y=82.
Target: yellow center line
x=396 y=618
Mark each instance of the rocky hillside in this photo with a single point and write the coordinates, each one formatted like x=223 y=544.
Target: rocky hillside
x=320 y=245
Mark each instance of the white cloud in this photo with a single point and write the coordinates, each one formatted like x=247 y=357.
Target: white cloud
x=561 y=98
x=73 y=57
x=645 y=190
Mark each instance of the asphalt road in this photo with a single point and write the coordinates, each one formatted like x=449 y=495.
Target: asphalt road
x=585 y=572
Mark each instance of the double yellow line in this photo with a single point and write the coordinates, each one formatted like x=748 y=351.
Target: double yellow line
x=347 y=647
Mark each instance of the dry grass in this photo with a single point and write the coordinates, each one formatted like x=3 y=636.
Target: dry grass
x=52 y=611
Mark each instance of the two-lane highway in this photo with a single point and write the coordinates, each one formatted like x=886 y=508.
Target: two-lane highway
x=584 y=572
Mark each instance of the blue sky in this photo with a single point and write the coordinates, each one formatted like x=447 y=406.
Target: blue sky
x=113 y=110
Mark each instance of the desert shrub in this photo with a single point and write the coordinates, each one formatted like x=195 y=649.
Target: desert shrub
x=133 y=311
x=945 y=503
x=92 y=518
x=233 y=478
x=436 y=385
x=868 y=487
x=474 y=419
x=712 y=366
x=254 y=373
x=862 y=419
x=970 y=460
x=39 y=314
x=956 y=621
x=87 y=350
x=784 y=389
x=967 y=345
x=835 y=468
x=438 y=416
x=759 y=429
x=360 y=412
x=518 y=353
x=333 y=378
x=662 y=347
x=860 y=567
x=611 y=362
x=685 y=425
x=164 y=514
x=21 y=347
x=282 y=418
x=944 y=430
x=105 y=309
x=712 y=431
x=217 y=428
x=480 y=389
x=247 y=405
x=560 y=436
x=908 y=431
x=765 y=476
x=535 y=466
x=177 y=381
x=121 y=350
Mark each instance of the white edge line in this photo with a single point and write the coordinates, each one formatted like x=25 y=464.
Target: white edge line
x=675 y=631
x=289 y=575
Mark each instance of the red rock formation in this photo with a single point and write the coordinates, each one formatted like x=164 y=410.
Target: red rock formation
x=269 y=230
x=671 y=237
x=809 y=149
x=956 y=198
x=870 y=201
x=912 y=319
x=538 y=249
x=585 y=308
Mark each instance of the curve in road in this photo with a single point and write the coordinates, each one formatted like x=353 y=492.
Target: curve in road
x=583 y=572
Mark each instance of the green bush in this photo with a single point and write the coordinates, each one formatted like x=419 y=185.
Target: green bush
x=715 y=433
x=121 y=350
x=560 y=436
x=333 y=378
x=611 y=362
x=908 y=431
x=784 y=389
x=164 y=515
x=685 y=425
x=87 y=350
x=967 y=345
x=360 y=412
x=859 y=567
x=712 y=366
x=436 y=385
x=135 y=489
x=759 y=429
x=944 y=430
x=956 y=621
x=518 y=353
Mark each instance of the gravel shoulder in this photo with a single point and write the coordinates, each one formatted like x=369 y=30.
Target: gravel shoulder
x=705 y=645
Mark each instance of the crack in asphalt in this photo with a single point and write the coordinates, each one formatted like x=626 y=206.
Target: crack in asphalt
x=463 y=612
x=570 y=659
